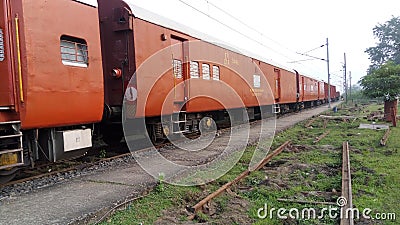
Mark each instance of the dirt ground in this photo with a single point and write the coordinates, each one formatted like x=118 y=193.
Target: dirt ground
x=278 y=176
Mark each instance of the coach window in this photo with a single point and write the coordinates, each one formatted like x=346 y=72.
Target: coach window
x=194 y=69
x=216 y=73
x=2 y=52
x=305 y=87
x=256 y=81
x=206 y=71
x=74 y=51
x=177 y=67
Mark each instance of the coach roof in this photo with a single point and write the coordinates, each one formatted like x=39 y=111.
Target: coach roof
x=88 y=2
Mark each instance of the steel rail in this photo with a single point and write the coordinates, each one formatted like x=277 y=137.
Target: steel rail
x=346 y=203
x=261 y=164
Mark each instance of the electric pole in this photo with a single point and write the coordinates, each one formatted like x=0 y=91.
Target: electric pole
x=345 y=77
x=350 y=85
x=329 y=75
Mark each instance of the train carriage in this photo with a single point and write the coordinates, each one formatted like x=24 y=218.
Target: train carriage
x=310 y=91
x=68 y=66
x=51 y=83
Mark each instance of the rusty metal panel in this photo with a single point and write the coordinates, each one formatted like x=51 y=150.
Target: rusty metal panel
x=6 y=76
x=321 y=90
x=288 y=87
x=118 y=53
x=123 y=21
x=310 y=89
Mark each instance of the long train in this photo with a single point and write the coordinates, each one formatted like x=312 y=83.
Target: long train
x=67 y=67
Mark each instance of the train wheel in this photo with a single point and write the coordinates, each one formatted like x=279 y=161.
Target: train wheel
x=207 y=124
x=158 y=133
x=112 y=134
x=151 y=131
x=7 y=175
x=112 y=140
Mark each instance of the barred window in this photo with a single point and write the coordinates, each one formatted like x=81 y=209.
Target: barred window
x=206 y=71
x=216 y=73
x=177 y=66
x=257 y=81
x=194 y=69
x=2 y=56
x=74 y=51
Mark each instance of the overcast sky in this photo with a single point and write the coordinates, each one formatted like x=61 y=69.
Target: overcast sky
x=285 y=27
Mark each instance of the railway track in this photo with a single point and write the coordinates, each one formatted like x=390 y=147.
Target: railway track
x=28 y=201
x=79 y=166
x=50 y=169
x=76 y=164
x=346 y=200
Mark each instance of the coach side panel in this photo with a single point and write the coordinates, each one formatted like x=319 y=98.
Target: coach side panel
x=62 y=77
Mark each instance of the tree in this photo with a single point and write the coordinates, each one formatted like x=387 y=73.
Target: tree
x=383 y=79
x=384 y=82
x=357 y=94
x=388 y=47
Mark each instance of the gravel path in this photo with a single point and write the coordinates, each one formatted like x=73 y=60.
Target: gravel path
x=80 y=197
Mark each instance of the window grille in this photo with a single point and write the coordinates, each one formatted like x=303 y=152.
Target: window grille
x=216 y=75
x=177 y=67
x=206 y=71
x=74 y=51
x=257 y=81
x=194 y=69
x=2 y=56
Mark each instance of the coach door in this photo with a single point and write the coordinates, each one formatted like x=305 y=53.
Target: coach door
x=277 y=77
x=6 y=75
x=303 y=88
x=178 y=62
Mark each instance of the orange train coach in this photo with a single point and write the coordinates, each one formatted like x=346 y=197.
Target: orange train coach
x=64 y=79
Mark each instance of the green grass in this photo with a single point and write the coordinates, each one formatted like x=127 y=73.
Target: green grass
x=375 y=170
x=314 y=167
x=148 y=209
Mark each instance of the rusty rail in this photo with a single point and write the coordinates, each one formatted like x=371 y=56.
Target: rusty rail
x=270 y=156
x=322 y=136
x=72 y=168
x=310 y=122
x=200 y=204
x=346 y=200
x=385 y=137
